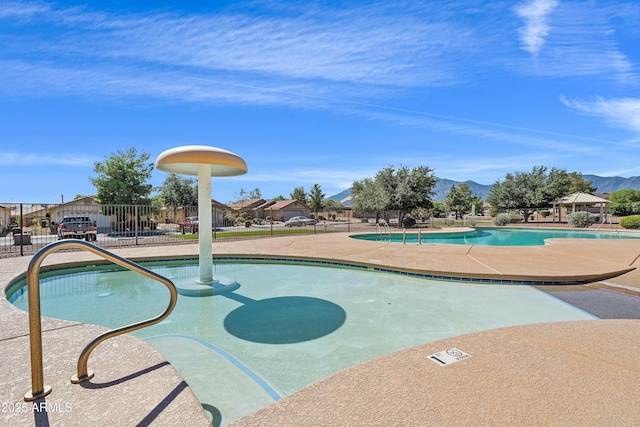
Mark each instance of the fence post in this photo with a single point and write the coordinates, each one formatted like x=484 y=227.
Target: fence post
x=135 y=225
x=21 y=242
x=215 y=221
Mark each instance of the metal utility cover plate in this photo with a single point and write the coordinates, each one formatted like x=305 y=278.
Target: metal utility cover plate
x=447 y=357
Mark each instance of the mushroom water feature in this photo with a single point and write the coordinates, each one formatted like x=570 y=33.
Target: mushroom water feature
x=204 y=162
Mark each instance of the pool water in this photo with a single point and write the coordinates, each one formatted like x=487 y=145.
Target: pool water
x=288 y=325
x=493 y=236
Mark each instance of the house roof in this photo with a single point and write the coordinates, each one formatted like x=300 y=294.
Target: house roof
x=579 y=198
x=249 y=203
x=218 y=205
x=265 y=205
x=281 y=204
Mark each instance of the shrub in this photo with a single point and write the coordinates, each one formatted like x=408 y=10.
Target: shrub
x=632 y=221
x=581 y=219
x=408 y=222
x=449 y=221
x=502 y=219
x=624 y=209
x=515 y=217
x=229 y=219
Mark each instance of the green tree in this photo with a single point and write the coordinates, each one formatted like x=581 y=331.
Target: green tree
x=333 y=206
x=624 y=202
x=438 y=209
x=177 y=191
x=299 y=195
x=248 y=194
x=316 y=198
x=526 y=192
x=369 y=197
x=479 y=206
x=579 y=184
x=402 y=190
x=460 y=199
x=122 y=178
x=625 y=196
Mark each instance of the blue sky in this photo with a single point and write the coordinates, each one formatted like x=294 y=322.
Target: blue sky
x=317 y=92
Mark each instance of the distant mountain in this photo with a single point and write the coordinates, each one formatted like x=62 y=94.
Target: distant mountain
x=444 y=185
x=614 y=183
x=342 y=196
x=602 y=185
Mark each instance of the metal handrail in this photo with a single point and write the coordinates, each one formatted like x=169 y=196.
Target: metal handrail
x=38 y=389
x=606 y=218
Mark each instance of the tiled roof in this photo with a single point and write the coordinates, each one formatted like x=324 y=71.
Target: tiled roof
x=249 y=203
x=281 y=204
x=579 y=198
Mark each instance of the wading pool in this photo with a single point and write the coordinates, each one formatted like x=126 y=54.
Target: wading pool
x=287 y=325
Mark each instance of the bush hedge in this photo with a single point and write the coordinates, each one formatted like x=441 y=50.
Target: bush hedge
x=632 y=222
x=581 y=219
x=624 y=209
x=502 y=219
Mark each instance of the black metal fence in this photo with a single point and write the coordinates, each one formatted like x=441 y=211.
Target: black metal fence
x=25 y=228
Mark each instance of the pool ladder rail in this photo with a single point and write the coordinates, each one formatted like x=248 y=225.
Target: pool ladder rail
x=384 y=229
x=38 y=388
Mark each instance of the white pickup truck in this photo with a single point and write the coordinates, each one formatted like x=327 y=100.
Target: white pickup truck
x=78 y=227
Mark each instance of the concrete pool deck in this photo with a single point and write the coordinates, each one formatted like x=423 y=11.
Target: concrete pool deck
x=584 y=373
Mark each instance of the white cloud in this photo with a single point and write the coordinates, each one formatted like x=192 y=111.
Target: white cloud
x=582 y=42
x=536 y=14
x=363 y=46
x=620 y=112
x=22 y=10
x=12 y=159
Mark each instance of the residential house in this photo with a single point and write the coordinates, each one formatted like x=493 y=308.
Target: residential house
x=179 y=214
x=83 y=206
x=283 y=210
x=252 y=208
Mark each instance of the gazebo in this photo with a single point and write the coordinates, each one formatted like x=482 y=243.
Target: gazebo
x=579 y=199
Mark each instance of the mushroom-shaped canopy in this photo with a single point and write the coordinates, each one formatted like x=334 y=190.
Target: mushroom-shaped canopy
x=186 y=159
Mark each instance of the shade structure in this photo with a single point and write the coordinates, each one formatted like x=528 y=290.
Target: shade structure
x=580 y=199
x=204 y=162
x=185 y=160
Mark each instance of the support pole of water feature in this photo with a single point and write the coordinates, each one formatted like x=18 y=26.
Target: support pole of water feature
x=205 y=255
x=204 y=162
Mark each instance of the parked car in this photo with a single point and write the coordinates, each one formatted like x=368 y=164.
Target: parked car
x=190 y=224
x=299 y=221
x=77 y=227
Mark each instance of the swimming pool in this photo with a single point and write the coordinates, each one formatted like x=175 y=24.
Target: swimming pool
x=288 y=325
x=489 y=236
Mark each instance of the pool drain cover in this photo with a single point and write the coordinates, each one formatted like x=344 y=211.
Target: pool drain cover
x=447 y=357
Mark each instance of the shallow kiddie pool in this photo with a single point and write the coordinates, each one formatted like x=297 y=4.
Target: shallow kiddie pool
x=490 y=236
x=287 y=325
